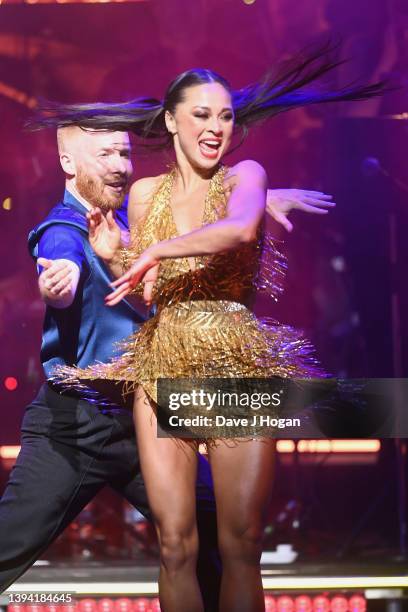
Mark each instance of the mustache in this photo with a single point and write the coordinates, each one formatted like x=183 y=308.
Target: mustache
x=117 y=180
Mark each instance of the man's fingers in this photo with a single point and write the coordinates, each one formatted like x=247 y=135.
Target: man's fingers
x=110 y=218
x=57 y=265
x=53 y=279
x=55 y=273
x=62 y=287
x=65 y=292
x=44 y=263
x=95 y=218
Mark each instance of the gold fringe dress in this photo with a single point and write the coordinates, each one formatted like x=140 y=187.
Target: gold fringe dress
x=203 y=326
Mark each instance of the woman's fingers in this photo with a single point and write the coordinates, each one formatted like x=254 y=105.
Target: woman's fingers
x=116 y=296
x=151 y=274
x=282 y=219
x=149 y=280
x=320 y=195
x=122 y=279
x=145 y=269
x=135 y=274
x=315 y=210
x=148 y=292
x=320 y=203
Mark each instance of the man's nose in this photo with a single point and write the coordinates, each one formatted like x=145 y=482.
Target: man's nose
x=121 y=164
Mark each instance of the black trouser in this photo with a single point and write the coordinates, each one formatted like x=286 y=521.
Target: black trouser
x=70 y=449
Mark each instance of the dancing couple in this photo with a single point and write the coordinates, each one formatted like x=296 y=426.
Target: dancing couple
x=194 y=252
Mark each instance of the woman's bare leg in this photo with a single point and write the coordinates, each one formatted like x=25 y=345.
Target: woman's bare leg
x=169 y=470
x=243 y=475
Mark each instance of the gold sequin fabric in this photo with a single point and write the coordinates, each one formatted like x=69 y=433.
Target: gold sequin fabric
x=204 y=326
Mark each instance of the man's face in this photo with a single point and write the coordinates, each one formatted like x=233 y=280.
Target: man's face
x=103 y=167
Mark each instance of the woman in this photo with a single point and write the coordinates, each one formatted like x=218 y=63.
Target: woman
x=196 y=248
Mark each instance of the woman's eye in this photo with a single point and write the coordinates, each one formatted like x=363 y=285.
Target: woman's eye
x=201 y=115
x=227 y=117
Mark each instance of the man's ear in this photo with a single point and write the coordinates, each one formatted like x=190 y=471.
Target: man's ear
x=170 y=123
x=68 y=164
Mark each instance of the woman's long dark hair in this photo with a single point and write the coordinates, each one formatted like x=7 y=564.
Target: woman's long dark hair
x=296 y=84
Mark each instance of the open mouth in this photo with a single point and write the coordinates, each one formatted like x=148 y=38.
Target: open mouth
x=209 y=147
x=118 y=187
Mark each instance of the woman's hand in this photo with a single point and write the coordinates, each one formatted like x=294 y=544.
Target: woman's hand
x=145 y=270
x=104 y=234
x=280 y=202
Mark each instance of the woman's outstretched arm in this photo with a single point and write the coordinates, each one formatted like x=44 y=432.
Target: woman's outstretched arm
x=245 y=209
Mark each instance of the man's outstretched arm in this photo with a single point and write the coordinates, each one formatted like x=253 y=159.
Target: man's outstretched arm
x=62 y=257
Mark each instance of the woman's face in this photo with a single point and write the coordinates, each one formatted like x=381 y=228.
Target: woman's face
x=202 y=124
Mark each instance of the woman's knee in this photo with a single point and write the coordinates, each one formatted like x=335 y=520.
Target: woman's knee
x=178 y=548
x=241 y=542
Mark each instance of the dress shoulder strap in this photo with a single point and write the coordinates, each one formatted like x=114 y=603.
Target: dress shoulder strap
x=154 y=225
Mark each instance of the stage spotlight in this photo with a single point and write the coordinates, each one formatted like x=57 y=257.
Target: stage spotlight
x=10 y=383
x=7 y=204
x=249 y=1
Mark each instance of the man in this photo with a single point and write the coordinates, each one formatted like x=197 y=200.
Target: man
x=72 y=446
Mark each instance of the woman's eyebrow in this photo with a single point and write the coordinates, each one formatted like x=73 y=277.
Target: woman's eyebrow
x=226 y=108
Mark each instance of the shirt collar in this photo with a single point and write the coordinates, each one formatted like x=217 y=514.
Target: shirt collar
x=71 y=200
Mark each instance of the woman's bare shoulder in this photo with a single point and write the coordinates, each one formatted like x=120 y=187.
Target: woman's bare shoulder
x=142 y=190
x=244 y=171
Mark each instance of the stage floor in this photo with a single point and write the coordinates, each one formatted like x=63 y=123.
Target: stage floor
x=387 y=580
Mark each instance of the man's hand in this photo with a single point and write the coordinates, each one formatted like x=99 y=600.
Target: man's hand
x=104 y=234
x=280 y=202
x=58 y=281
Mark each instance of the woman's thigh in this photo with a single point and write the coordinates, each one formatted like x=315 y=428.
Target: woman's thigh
x=169 y=468
x=243 y=475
